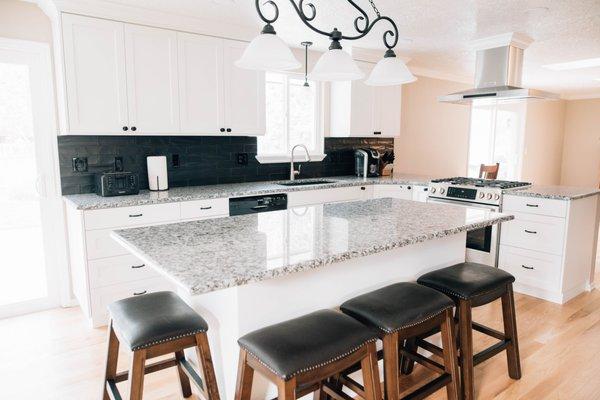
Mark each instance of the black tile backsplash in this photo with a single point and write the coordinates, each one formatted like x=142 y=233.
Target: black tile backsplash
x=203 y=160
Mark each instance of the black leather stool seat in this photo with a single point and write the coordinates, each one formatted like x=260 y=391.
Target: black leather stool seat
x=154 y=318
x=397 y=306
x=466 y=280
x=306 y=343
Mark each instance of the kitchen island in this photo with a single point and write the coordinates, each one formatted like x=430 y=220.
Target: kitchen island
x=245 y=272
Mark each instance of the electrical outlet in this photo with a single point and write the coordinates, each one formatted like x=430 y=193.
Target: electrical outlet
x=175 y=161
x=119 y=164
x=242 y=158
x=80 y=164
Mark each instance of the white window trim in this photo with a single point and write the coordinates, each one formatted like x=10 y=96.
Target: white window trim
x=320 y=139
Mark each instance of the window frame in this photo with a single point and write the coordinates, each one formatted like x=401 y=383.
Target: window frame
x=316 y=155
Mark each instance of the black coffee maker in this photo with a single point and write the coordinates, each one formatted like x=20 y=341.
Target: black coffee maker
x=366 y=162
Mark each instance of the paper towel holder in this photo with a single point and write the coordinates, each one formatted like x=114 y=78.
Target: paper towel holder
x=158 y=180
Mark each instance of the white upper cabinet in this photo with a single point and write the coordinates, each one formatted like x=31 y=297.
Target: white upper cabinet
x=152 y=79
x=360 y=110
x=244 y=96
x=129 y=79
x=200 y=84
x=95 y=77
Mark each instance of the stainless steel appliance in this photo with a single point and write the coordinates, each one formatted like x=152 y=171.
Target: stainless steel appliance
x=257 y=204
x=117 y=184
x=482 y=244
x=366 y=162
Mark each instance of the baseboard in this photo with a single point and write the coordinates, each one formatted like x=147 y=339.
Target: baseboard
x=554 y=297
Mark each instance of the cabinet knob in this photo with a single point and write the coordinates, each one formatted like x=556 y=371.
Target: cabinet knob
x=228 y=129
x=125 y=128
x=133 y=128
x=222 y=129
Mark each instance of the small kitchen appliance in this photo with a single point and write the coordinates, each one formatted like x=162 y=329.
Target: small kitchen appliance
x=366 y=162
x=157 y=173
x=117 y=184
x=482 y=244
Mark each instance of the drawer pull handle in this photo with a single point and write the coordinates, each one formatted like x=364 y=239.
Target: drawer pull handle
x=140 y=293
x=259 y=207
x=135 y=215
x=526 y=267
x=532 y=205
x=532 y=232
x=206 y=208
x=138 y=266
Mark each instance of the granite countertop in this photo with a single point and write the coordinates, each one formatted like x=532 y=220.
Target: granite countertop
x=555 y=192
x=92 y=201
x=208 y=255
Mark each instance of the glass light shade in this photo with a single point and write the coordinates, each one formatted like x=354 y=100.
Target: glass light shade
x=336 y=65
x=267 y=52
x=390 y=71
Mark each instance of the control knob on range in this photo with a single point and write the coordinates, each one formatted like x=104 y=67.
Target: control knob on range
x=442 y=191
x=489 y=196
x=497 y=197
x=481 y=195
x=433 y=190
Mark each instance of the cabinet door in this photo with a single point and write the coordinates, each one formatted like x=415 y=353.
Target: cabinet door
x=96 y=89
x=200 y=84
x=244 y=94
x=362 y=117
x=152 y=81
x=388 y=103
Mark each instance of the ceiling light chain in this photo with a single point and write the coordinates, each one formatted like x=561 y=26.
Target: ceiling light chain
x=375 y=8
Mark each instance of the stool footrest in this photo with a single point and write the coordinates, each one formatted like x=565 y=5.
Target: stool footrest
x=429 y=388
x=490 y=351
x=353 y=385
x=150 y=368
x=113 y=391
x=488 y=331
x=430 y=347
x=424 y=361
x=191 y=373
x=337 y=395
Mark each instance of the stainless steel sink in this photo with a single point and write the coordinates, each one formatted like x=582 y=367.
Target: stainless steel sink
x=306 y=183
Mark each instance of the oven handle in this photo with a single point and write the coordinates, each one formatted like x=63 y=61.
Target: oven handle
x=463 y=204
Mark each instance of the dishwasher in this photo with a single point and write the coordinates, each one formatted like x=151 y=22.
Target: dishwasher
x=257 y=204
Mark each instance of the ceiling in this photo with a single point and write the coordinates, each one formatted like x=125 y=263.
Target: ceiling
x=436 y=34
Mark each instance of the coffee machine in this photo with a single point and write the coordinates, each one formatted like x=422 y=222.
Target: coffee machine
x=366 y=162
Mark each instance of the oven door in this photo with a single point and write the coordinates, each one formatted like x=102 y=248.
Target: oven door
x=482 y=244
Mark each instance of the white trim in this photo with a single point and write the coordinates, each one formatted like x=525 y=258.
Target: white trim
x=435 y=74
x=515 y=39
x=587 y=96
x=271 y=159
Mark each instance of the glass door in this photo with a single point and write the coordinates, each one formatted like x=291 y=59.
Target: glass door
x=30 y=212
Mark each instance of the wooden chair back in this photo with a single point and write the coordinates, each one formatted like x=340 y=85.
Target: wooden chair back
x=489 y=171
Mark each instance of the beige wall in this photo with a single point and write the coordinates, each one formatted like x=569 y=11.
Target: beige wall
x=581 y=148
x=25 y=21
x=543 y=142
x=434 y=138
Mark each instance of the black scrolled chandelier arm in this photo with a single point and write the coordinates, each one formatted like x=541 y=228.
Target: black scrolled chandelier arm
x=390 y=37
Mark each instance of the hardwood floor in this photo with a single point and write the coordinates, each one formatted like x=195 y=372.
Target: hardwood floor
x=54 y=355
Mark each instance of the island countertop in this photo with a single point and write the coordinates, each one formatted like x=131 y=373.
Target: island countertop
x=208 y=255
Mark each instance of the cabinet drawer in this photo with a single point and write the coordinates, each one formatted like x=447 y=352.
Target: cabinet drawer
x=120 y=269
x=99 y=244
x=532 y=268
x=131 y=216
x=534 y=232
x=534 y=205
x=199 y=209
x=102 y=297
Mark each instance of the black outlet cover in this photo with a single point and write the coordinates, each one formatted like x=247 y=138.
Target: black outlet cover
x=80 y=164
x=242 y=158
x=175 y=160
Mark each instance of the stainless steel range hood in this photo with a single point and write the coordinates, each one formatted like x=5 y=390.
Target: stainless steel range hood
x=498 y=73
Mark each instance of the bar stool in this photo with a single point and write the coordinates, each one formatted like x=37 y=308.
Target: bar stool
x=399 y=312
x=153 y=325
x=472 y=285
x=300 y=356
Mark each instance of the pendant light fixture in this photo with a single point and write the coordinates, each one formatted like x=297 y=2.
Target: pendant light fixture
x=335 y=64
x=306 y=46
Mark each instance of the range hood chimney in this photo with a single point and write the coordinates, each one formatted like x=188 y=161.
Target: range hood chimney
x=498 y=73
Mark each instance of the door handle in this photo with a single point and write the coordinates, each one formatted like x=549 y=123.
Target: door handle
x=526 y=267
x=532 y=232
x=206 y=208
x=532 y=205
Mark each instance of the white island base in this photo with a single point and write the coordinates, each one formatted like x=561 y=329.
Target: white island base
x=235 y=311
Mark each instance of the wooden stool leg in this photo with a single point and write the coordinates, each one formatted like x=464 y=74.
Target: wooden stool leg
x=370 y=371
x=390 y=366
x=450 y=356
x=243 y=388
x=112 y=355
x=208 y=371
x=184 y=380
x=136 y=375
x=286 y=389
x=510 y=331
x=466 y=349
x=319 y=394
x=407 y=364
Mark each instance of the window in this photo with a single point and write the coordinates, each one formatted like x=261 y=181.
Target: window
x=496 y=136
x=292 y=117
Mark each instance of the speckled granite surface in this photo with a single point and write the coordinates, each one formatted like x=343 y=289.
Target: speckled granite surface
x=204 y=256
x=555 y=192
x=92 y=201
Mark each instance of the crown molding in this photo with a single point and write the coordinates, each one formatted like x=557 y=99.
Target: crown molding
x=516 y=39
x=436 y=74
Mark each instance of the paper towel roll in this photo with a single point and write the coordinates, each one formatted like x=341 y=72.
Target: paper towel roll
x=157 y=173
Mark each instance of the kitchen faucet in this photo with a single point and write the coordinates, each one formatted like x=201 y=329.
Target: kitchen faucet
x=293 y=172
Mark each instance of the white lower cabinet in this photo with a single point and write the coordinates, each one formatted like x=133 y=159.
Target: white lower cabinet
x=404 y=192
x=420 y=193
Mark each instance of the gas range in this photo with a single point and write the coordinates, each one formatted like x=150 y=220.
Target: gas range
x=472 y=190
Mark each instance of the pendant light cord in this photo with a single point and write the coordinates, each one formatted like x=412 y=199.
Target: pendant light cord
x=375 y=8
